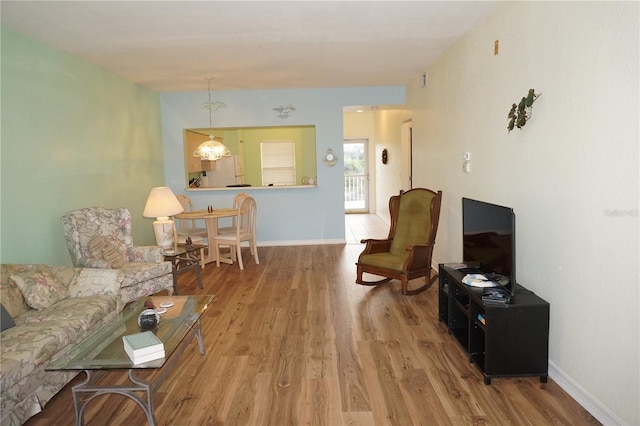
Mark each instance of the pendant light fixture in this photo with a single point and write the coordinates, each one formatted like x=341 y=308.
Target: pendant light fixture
x=212 y=150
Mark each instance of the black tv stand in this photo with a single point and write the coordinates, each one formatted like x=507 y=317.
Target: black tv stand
x=469 y=270
x=503 y=342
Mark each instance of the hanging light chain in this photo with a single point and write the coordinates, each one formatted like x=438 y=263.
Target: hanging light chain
x=210 y=112
x=211 y=106
x=211 y=150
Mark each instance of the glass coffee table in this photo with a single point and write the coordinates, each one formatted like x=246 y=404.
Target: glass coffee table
x=103 y=352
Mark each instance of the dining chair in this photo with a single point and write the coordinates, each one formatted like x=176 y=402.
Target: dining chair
x=188 y=227
x=237 y=200
x=244 y=231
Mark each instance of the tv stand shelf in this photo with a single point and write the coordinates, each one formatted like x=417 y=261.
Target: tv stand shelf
x=502 y=342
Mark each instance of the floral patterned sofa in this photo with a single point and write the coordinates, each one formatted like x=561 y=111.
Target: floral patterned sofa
x=46 y=310
x=98 y=237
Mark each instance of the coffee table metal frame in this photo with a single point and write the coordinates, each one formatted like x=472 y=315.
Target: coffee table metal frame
x=109 y=338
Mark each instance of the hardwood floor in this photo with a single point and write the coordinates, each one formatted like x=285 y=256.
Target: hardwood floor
x=295 y=341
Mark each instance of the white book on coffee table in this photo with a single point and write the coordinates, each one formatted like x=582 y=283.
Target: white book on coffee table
x=140 y=344
x=141 y=359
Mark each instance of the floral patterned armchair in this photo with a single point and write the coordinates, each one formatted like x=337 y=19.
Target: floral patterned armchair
x=144 y=268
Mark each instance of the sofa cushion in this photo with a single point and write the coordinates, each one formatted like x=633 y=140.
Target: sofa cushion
x=135 y=273
x=10 y=294
x=24 y=348
x=80 y=312
x=89 y=282
x=45 y=335
x=6 y=320
x=40 y=289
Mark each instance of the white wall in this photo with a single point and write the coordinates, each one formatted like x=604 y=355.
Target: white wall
x=285 y=216
x=362 y=125
x=389 y=176
x=571 y=174
x=382 y=129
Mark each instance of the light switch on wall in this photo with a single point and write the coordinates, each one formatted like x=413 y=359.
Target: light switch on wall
x=466 y=166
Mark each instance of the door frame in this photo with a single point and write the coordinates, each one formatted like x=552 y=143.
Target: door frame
x=366 y=175
x=406 y=146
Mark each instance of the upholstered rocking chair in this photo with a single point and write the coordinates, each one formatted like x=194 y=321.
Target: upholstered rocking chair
x=406 y=253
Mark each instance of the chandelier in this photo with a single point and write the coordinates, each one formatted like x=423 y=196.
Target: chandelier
x=212 y=150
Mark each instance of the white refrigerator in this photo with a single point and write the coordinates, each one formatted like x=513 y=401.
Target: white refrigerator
x=229 y=171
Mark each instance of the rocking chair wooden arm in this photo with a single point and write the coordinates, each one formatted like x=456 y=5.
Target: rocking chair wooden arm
x=375 y=246
x=419 y=256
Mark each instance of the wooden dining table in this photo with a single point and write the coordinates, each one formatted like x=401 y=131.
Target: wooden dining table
x=211 y=219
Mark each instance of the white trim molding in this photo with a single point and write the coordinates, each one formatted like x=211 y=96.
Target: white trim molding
x=584 y=398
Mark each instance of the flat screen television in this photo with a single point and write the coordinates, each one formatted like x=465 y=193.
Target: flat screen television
x=489 y=241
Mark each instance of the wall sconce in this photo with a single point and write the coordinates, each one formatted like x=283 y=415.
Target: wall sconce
x=330 y=159
x=385 y=156
x=284 y=111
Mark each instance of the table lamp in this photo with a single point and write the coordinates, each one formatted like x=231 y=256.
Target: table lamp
x=161 y=204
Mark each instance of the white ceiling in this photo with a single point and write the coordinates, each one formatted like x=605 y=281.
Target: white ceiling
x=171 y=46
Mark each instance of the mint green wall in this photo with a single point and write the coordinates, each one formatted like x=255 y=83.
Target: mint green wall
x=307 y=153
x=73 y=135
x=302 y=136
x=251 y=138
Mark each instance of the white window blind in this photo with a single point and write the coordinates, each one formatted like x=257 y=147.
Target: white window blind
x=278 y=162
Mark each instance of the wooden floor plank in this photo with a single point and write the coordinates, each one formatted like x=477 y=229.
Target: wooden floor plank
x=424 y=404
x=390 y=384
x=295 y=341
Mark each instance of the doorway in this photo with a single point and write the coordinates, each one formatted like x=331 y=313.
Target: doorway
x=406 y=153
x=356 y=176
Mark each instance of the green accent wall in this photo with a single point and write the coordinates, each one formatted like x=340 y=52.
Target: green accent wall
x=73 y=135
x=304 y=138
x=246 y=141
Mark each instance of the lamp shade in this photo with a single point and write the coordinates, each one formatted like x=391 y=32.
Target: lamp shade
x=211 y=150
x=162 y=202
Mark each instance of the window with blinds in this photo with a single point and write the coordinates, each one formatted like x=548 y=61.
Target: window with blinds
x=278 y=162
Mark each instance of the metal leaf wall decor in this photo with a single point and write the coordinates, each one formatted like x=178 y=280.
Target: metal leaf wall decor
x=520 y=113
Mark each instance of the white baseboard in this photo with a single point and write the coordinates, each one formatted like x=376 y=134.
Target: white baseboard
x=584 y=398
x=300 y=242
